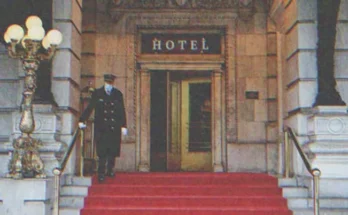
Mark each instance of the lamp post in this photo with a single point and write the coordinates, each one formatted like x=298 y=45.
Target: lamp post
x=31 y=46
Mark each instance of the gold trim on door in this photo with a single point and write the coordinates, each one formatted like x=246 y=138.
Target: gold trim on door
x=195 y=131
x=189 y=126
x=174 y=146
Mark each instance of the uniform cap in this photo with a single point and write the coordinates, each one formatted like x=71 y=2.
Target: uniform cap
x=109 y=77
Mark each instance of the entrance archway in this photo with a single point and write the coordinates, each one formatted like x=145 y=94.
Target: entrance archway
x=144 y=109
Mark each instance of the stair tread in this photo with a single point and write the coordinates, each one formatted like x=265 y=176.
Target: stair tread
x=186 y=196
x=186 y=208
x=324 y=209
x=179 y=194
x=175 y=211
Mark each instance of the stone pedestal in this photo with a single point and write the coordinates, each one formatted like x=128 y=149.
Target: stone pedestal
x=47 y=129
x=328 y=134
x=26 y=196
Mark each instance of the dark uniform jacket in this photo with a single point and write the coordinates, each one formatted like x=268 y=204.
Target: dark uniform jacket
x=109 y=118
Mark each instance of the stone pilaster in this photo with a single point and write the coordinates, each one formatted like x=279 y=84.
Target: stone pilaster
x=144 y=123
x=217 y=120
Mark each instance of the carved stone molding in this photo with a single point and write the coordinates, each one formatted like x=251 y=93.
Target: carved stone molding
x=195 y=4
x=328 y=132
x=118 y=8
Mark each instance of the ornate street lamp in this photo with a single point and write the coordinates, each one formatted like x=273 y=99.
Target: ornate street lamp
x=31 y=46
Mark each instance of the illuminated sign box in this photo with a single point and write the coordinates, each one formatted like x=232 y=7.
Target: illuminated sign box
x=159 y=43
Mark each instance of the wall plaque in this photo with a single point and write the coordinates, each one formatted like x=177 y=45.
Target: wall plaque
x=169 y=43
x=252 y=94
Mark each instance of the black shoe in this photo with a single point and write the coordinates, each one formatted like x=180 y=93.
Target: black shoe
x=101 y=178
x=110 y=174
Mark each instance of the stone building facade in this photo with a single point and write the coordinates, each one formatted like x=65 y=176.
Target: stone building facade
x=248 y=62
x=262 y=78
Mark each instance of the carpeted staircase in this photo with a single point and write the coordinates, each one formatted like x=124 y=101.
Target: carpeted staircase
x=186 y=194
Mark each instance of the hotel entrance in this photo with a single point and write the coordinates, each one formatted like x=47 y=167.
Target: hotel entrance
x=180 y=106
x=180 y=122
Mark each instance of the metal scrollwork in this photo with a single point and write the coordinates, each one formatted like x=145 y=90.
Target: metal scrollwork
x=26 y=161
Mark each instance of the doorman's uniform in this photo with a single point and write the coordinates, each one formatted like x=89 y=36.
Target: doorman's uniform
x=110 y=117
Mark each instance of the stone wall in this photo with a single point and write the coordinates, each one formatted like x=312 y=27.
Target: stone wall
x=300 y=69
x=66 y=68
x=297 y=22
x=10 y=94
x=110 y=47
x=113 y=54
x=256 y=65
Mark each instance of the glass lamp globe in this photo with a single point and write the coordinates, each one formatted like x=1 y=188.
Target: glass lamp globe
x=54 y=37
x=45 y=43
x=33 y=21
x=7 y=37
x=15 y=32
x=36 y=33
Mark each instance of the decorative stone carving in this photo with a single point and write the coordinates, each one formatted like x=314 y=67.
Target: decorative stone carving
x=151 y=4
x=118 y=8
x=245 y=9
x=328 y=132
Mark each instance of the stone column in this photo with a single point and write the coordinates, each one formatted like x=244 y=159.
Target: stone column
x=217 y=120
x=144 y=123
x=327 y=19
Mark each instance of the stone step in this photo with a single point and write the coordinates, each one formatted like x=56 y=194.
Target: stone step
x=71 y=201
x=78 y=181
x=297 y=203
x=73 y=190
x=322 y=212
x=291 y=192
x=287 y=182
x=338 y=203
x=303 y=203
x=69 y=211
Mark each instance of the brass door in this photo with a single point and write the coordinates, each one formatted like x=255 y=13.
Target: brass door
x=190 y=126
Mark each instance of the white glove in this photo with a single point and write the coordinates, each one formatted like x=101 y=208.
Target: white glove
x=124 y=131
x=82 y=125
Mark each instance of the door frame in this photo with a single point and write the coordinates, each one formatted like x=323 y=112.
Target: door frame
x=200 y=157
x=143 y=108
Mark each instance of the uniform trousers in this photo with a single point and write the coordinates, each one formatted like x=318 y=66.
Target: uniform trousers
x=107 y=161
x=107 y=150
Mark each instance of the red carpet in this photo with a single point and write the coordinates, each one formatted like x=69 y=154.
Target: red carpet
x=186 y=194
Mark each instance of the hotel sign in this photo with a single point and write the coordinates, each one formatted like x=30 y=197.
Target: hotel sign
x=159 y=43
